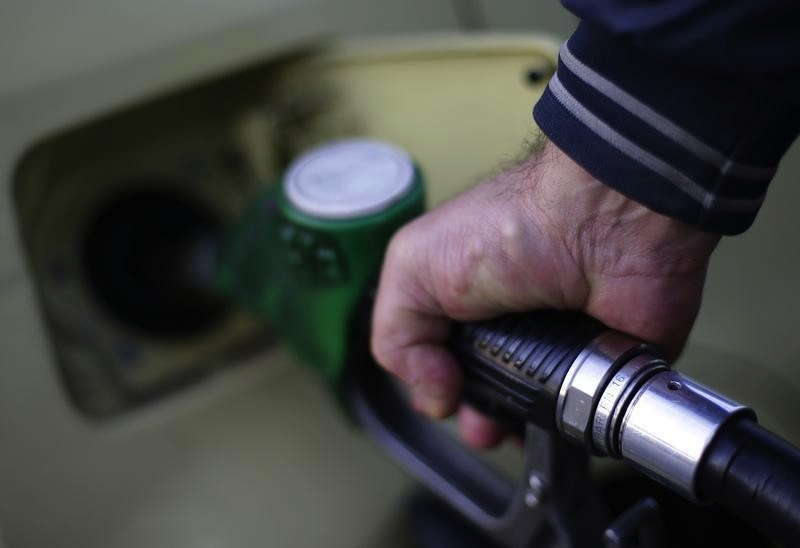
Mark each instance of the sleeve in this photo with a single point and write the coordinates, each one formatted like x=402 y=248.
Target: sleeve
x=684 y=106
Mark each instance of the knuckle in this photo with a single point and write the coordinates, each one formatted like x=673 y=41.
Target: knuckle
x=403 y=246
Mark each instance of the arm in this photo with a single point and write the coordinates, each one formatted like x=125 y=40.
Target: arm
x=684 y=106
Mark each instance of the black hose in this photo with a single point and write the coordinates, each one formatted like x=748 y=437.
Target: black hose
x=753 y=474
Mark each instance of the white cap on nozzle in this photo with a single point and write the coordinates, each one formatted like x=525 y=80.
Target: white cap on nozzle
x=348 y=179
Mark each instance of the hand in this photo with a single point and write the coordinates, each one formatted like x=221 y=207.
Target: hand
x=544 y=234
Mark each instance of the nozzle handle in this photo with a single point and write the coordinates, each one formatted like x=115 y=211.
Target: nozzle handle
x=514 y=365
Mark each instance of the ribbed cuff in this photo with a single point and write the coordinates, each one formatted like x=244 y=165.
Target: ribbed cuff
x=699 y=149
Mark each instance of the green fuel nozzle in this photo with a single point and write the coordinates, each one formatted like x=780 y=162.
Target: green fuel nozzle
x=308 y=248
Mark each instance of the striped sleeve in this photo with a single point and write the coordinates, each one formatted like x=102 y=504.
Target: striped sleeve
x=693 y=145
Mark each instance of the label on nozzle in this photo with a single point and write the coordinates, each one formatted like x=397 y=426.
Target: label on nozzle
x=349 y=179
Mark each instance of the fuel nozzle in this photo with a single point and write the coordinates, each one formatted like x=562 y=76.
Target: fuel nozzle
x=620 y=399
x=615 y=396
x=609 y=393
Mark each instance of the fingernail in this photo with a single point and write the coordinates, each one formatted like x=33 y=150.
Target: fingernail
x=436 y=408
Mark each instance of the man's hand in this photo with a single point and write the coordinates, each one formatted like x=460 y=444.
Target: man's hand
x=544 y=234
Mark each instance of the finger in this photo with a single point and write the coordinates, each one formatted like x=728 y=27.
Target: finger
x=477 y=430
x=406 y=342
x=408 y=335
x=435 y=379
x=435 y=408
x=430 y=371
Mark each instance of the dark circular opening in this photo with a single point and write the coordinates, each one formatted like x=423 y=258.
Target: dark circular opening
x=136 y=255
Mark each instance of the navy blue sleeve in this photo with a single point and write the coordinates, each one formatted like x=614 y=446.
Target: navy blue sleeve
x=685 y=106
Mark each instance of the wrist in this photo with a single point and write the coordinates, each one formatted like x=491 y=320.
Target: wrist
x=600 y=225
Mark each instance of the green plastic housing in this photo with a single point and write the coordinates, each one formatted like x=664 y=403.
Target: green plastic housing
x=306 y=275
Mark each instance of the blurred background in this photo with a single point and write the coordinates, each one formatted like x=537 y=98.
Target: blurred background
x=136 y=413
